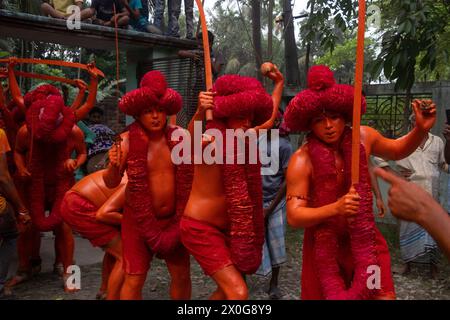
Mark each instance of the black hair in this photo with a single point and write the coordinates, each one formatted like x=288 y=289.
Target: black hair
x=210 y=37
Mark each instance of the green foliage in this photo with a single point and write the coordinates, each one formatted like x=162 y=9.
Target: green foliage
x=328 y=22
x=415 y=40
x=342 y=59
x=231 y=25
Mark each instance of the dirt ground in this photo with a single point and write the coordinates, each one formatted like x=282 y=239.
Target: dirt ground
x=416 y=285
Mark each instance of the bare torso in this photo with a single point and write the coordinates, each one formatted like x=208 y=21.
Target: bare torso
x=93 y=188
x=161 y=175
x=207 y=200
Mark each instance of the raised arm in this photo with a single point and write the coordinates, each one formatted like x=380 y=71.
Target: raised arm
x=82 y=86
x=83 y=111
x=15 y=89
x=110 y=211
x=300 y=214
x=396 y=149
x=277 y=94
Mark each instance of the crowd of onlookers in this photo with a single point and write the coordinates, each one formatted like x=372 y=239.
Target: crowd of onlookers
x=127 y=14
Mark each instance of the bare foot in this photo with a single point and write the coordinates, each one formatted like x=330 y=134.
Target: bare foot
x=101 y=295
x=19 y=278
x=275 y=293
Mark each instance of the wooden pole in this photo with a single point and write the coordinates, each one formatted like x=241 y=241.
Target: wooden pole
x=358 y=92
x=206 y=54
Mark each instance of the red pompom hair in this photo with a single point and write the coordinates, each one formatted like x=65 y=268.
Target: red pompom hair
x=322 y=94
x=39 y=93
x=153 y=92
x=239 y=96
x=320 y=77
x=50 y=120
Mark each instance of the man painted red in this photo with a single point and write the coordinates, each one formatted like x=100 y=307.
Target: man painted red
x=157 y=190
x=223 y=224
x=342 y=246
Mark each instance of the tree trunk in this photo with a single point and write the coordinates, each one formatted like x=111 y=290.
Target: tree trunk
x=256 y=27
x=270 y=30
x=290 y=52
x=308 y=46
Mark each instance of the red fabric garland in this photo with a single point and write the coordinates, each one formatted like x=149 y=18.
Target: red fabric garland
x=243 y=191
x=361 y=228
x=162 y=241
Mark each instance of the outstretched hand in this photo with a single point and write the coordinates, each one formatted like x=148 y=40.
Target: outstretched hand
x=425 y=112
x=407 y=200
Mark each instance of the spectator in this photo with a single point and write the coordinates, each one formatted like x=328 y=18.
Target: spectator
x=217 y=60
x=138 y=20
x=60 y=9
x=174 y=15
x=274 y=203
x=104 y=13
x=10 y=203
x=422 y=168
x=103 y=141
x=158 y=20
x=410 y=202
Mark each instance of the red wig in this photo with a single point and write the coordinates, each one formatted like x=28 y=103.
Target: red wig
x=41 y=92
x=239 y=96
x=50 y=120
x=322 y=94
x=153 y=92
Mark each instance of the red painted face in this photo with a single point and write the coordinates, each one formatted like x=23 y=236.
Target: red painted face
x=243 y=123
x=328 y=127
x=153 y=119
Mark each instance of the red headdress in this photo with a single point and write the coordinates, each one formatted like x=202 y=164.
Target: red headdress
x=41 y=92
x=239 y=96
x=322 y=94
x=153 y=91
x=242 y=97
x=325 y=243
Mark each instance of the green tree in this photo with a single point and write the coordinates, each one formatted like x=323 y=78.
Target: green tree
x=415 y=39
x=342 y=59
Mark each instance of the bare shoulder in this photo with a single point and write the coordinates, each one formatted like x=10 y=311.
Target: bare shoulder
x=369 y=135
x=300 y=162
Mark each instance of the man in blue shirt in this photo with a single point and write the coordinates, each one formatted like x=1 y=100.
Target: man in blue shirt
x=274 y=203
x=138 y=20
